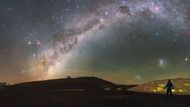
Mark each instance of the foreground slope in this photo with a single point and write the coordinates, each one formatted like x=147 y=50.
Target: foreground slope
x=181 y=86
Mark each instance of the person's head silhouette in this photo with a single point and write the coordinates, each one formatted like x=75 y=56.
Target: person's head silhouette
x=169 y=80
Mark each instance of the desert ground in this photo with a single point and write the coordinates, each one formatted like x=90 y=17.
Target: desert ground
x=66 y=93
x=89 y=99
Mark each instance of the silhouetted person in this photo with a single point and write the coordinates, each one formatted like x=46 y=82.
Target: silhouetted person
x=169 y=86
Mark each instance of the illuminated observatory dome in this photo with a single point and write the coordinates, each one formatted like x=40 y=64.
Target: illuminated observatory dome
x=181 y=87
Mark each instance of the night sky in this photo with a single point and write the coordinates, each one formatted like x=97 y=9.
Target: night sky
x=124 y=41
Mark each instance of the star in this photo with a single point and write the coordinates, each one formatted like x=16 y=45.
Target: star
x=34 y=55
x=101 y=19
x=186 y=59
x=29 y=43
x=95 y=37
x=106 y=13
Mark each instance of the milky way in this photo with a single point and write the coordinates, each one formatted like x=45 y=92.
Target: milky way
x=112 y=39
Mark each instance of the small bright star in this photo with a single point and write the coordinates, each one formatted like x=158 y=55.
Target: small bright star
x=106 y=13
x=186 y=59
x=101 y=20
x=34 y=55
x=29 y=43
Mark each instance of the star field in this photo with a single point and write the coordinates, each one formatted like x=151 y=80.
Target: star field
x=125 y=41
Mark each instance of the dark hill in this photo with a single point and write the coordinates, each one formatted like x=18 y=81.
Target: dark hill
x=86 y=83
